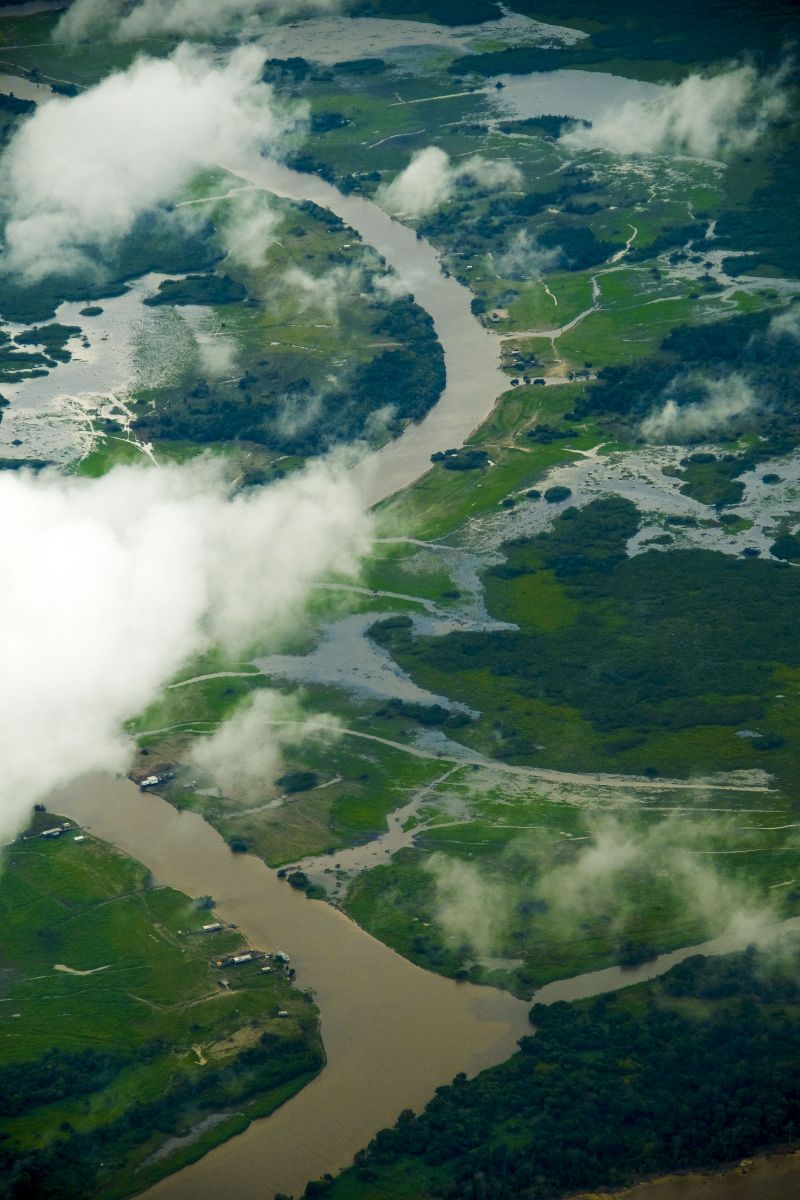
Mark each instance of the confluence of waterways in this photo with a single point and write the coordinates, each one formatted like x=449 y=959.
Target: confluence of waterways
x=392 y=1031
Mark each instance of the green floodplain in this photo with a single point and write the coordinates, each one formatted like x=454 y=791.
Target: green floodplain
x=126 y=1050
x=597 y=613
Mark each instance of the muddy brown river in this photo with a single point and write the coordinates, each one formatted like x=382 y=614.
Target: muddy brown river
x=392 y=1031
x=773 y=1177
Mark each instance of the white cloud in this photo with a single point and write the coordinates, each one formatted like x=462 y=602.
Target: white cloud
x=128 y=21
x=118 y=582
x=390 y=286
x=606 y=875
x=470 y=908
x=705 y=117
x=78 y=174
x=218 y=355
x=430 y=180
x=785 y=324
x=248 y=228
x=524 y=258
x=325 y=292
x=245 y=752
x=725 y=401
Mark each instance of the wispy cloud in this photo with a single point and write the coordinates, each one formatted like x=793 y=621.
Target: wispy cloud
x=119 y=582
x=81 y=171
x=703 y=116
x=245 y=753
x=430 y=180
x=726 y=401
x=525 y=258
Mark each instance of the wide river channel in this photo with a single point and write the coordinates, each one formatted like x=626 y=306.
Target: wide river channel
x=392 y=1031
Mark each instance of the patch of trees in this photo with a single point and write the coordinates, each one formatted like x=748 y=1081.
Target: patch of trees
x=608 y=1092
x=550 y=125
x=787 y=547
x=360 y=66
x=425 y=714
x=18 y=108
x=545 y=434
x=55 y=1076
x=70 y=1167
x=327 y=121
x=468 y=458
x=211 y=288
x=659 y=641
x=272 y=407
x=53 y=338
x=298 y=781
x=624 y=395
x=278 y=70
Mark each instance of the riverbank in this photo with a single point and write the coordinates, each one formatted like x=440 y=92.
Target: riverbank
x=392 y=1032
x=768 y=1177
x=472 y=353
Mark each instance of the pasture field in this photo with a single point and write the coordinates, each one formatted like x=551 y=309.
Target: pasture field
x=118 y=1040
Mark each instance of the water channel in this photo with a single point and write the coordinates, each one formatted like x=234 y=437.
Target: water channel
x=472 y=353
x=392 y=1031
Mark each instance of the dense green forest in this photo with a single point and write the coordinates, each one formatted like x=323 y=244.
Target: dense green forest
x=654 y=643
x=751 y=346
x=696 y=1070
x=68 y=1169
x=679 y=33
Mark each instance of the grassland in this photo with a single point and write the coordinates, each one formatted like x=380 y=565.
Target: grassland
x=135 y=1058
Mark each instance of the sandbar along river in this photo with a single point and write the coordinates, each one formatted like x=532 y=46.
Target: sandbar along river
x=392 y=1031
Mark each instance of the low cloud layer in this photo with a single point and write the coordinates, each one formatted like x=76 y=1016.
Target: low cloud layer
x=245 y=753
x=327 y=292
x=80 y=172
x=785 y=324
x=430 y=180
x=127 y=20
x=525 y=258
x=701 y=117
x=725 y=402
x=471 y=909
x=248 y=228
x=118 y=582
x=675 y=854
x=603 y=876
